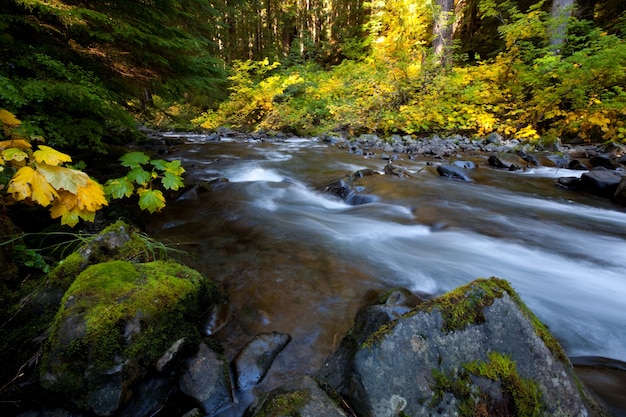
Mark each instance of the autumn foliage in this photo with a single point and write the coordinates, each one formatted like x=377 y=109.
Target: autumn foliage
x=41 y=177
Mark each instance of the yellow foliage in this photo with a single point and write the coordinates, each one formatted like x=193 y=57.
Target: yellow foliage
x=50 y=156
x=8 y=118
x=29 y=183
x=42 y=179
x=14 y=143
x=63 y=178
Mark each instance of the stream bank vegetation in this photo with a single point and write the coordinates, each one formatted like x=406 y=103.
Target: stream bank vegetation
x=522 y=88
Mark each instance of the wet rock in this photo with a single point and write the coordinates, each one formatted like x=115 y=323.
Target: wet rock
x=453 y=171
x=206 y=379
x=529 y=157
x=469 y=350
x=339 y=188
x=356 y=199
x=166 y=362
x=600 y=181
x=464 y=164
x=346 y=189
x=307 y=399
x=571 y=183
x=252 y=363
x=603 y=161
x=369 y=320
x=620 y=193
x=577 y=164
x=216 y=318
x=507 y=161
x=149 y=398
x=396 y=171
x=193 y=192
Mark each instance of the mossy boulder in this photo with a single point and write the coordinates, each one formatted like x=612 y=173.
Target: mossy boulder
x=476 y=351
x=116 y=241
x=115 y=321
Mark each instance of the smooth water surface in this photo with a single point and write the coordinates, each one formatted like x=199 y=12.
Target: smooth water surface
x=293 y=259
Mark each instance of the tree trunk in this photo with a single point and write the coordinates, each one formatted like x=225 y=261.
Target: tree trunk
x=561 y=12
x=442 y=30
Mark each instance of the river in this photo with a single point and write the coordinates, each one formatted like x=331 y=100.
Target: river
x=293 y=259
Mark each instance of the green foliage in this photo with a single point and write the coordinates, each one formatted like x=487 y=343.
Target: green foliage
x=75 y=70
x=142 y=173
x=30 y=258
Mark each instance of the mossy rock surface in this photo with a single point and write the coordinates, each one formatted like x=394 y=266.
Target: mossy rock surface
x=116 y=320
x=475 y=351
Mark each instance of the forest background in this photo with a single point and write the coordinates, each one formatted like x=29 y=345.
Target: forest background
x=82 y=73
x=81 y=76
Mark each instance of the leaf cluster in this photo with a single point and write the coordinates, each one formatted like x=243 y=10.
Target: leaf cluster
x=41 y=177
x=142 y=177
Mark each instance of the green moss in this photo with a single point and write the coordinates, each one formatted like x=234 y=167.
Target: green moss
x=133 y=310
x=524 y=395
x=284 y=404
x=464 y=305
x=520 y=397
x=379 y=334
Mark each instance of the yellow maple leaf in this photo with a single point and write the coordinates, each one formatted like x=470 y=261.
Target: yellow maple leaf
x=8 y=118
x=28 y=183
x=15 y=143
x=50 y=156
x=68 y=217
x=63 y=178
x=91 y=197
x=68 y=199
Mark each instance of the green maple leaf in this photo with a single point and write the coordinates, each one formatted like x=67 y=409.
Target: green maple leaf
x=175 y=168
x=172 y=166
x=171 y=181
x=151 y=200
x=159 y=164
x=119 y=187
x=134 y=159
x=14 y=154
x=139 y=176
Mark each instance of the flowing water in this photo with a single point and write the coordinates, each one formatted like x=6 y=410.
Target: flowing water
x=293 y=259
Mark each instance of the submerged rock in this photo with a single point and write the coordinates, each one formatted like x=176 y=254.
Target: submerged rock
x=453 y=171
x=475 y=351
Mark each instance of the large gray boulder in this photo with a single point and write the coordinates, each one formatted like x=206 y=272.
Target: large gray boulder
x=475 y=351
